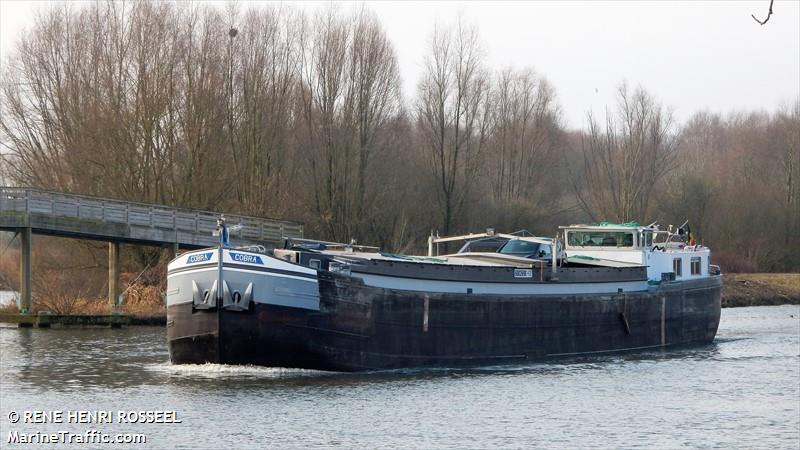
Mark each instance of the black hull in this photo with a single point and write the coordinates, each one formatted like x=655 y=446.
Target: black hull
x=365 y=328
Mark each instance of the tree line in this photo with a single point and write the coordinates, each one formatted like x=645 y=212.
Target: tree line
x=279 y=113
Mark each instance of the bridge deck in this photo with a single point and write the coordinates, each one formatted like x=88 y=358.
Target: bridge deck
x=86 y=217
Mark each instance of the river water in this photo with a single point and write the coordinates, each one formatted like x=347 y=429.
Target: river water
x=743 y=391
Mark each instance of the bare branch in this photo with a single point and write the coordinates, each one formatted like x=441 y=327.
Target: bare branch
x=769 y=14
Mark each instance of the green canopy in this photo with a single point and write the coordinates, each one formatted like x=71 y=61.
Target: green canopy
x=611 y=224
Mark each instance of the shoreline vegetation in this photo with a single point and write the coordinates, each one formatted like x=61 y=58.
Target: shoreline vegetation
x=739 y=289
x=760 y=289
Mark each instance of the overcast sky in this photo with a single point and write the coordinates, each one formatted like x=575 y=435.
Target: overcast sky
x=691 y=55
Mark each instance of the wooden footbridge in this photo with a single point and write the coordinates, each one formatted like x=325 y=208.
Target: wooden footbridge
x=29 y=211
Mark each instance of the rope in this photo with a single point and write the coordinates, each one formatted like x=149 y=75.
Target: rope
x=16 y=233
x=3 y=278
x=130 y=285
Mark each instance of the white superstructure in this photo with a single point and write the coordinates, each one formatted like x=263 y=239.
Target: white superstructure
x=665 y=254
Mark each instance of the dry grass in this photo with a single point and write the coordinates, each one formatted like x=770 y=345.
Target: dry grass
x=9 y=308
x=752 y=289
x=788 y=280
x=143 y=291
x=9 y=270
x=67 y=279
x=144 y=301
x=60 y=293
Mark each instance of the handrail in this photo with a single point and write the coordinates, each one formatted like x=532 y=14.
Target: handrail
x=106 y=207
x=138 y=203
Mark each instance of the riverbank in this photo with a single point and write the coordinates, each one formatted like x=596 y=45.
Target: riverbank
x=760 y=289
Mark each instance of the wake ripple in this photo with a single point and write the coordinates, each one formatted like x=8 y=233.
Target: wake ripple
x=215 y=371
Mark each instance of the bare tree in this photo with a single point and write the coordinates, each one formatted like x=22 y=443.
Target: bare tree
x=199 y=168
x=93 y=106
x=262 y=81
x=350 y=92
x=373 y=100
x=35 y=136
x=785 y=134
x=625 y=160
x=522 y=141
x=323 y=92
x=453 y=114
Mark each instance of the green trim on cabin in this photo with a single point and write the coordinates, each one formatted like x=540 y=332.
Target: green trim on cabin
x=611 y=224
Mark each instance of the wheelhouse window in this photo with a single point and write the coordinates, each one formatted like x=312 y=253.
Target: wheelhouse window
x=676 y=266
x=600 y=239
x=695 y=265
x=660 y=237
x=647 y=239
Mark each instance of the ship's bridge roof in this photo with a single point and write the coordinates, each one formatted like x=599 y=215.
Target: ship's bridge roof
x=606 y=226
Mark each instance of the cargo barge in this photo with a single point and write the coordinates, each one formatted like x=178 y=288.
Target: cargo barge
x=500 y=299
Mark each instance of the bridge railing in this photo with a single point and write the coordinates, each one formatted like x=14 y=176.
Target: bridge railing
x=37 y=201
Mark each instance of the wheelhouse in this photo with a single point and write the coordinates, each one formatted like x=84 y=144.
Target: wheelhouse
x=611 y=236
x=667 y=255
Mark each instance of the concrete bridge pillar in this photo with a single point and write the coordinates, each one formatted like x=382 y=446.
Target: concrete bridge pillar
x=26 y=236
x=113 y=273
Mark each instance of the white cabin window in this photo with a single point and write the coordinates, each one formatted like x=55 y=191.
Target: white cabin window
x=695 y=265
x=676 y=266
x=600 y=239
x=647 y=237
